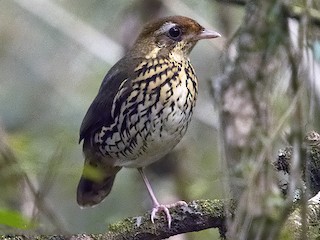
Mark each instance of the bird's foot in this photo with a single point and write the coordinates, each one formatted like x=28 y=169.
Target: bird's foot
x=165 y=209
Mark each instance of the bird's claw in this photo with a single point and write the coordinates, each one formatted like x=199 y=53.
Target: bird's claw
x=165 y=209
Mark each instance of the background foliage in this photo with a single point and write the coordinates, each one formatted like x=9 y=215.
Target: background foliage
x=50 y=72
x=53 y=57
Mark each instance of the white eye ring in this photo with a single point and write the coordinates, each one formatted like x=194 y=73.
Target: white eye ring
x=165 y=28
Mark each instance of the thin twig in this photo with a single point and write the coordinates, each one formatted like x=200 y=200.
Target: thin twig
x=98 y=44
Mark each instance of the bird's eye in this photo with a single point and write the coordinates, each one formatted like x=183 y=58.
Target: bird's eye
x=175 y=33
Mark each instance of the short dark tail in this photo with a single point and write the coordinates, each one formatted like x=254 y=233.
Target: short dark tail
x=92 y=190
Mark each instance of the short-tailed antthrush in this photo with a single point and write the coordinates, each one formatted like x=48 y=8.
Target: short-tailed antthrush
x=142 y=109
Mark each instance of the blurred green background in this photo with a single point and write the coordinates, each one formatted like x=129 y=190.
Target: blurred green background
x=53 y=57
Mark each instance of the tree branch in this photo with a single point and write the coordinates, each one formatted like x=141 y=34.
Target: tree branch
x=196 y=216
x=297 y=12
x=292 y=11
x=293 y=226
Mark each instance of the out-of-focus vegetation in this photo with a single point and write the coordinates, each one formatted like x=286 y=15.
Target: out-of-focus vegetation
x=51 y=66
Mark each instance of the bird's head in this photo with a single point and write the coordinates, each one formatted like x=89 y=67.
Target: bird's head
x=171 y=34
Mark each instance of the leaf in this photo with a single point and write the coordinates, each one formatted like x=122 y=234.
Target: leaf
x=14 y=219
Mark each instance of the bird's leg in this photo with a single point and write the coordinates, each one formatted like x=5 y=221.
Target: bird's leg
x=156 y=206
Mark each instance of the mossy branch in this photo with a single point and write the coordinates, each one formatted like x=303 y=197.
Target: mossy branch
x=293 y=226
x=196 y=216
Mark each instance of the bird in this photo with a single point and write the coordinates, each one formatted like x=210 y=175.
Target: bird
x=142 y=109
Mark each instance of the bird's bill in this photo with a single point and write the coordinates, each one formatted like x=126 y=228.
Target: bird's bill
x=206 y=34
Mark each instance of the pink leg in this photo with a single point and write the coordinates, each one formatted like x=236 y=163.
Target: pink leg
x=156 y=206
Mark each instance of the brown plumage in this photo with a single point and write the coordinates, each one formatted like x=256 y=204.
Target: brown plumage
x=143 y=107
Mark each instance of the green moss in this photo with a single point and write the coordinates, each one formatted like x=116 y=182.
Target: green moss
x=122 y=226
x=213 y=207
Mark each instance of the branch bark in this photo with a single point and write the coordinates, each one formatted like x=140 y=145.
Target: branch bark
x=196 y=216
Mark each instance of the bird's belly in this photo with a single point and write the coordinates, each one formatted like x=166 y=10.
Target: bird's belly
x=154 y=138
x=154 y=150
x=144 y=137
